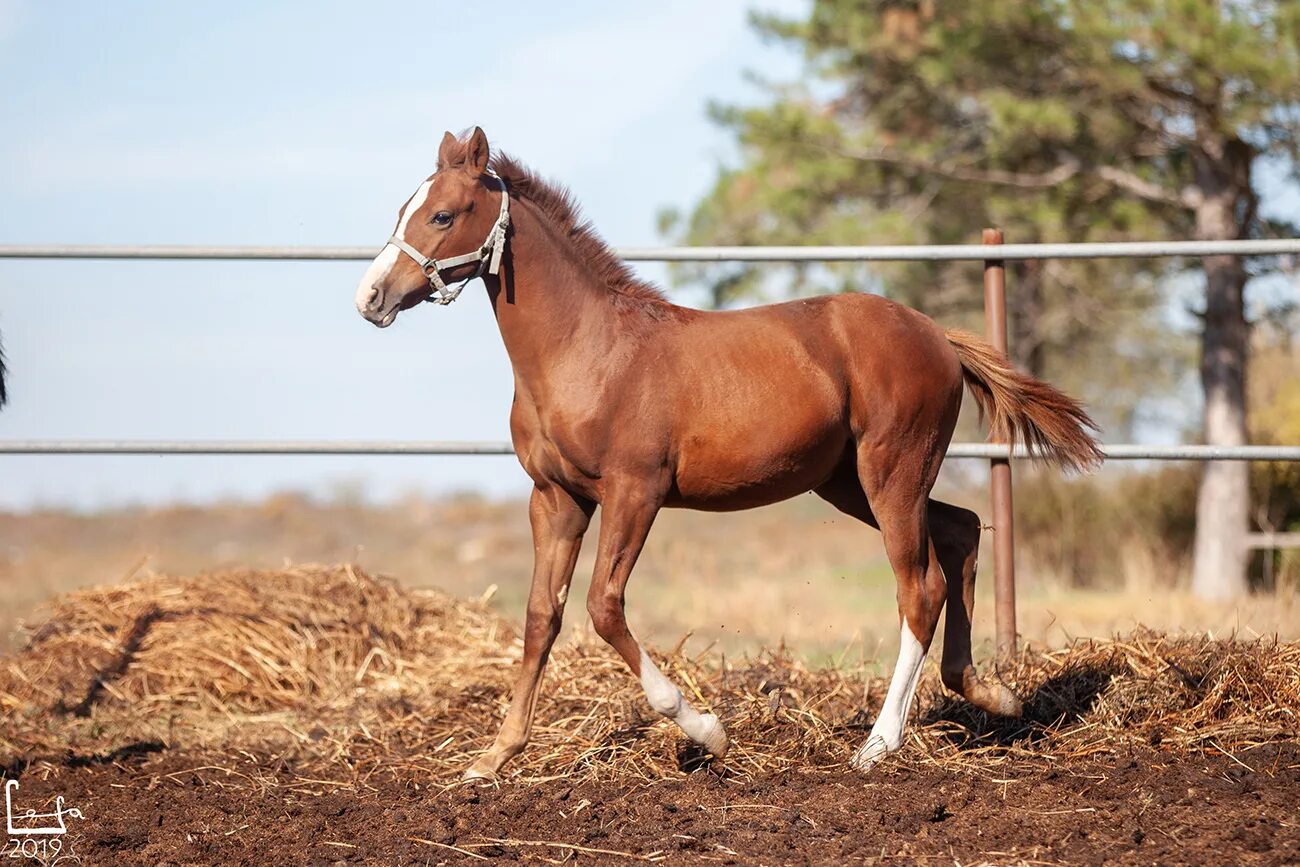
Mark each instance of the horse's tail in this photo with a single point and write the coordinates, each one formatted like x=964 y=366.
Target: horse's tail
x=1021 y=408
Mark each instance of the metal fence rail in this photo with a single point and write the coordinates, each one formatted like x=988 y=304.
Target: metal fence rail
x=918 y=253
x=1117 y=452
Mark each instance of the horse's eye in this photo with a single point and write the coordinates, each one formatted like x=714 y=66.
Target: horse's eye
x=442 y=218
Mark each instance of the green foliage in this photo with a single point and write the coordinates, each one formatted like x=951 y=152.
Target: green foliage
x=922 y=121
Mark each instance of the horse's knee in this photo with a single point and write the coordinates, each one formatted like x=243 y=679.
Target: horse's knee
x=607 y=616
x=543 y=622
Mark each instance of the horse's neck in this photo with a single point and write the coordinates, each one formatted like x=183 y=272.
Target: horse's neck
x=553 y=315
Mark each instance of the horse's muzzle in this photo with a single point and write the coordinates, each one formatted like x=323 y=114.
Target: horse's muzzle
x=382 y=320
x=376 y=307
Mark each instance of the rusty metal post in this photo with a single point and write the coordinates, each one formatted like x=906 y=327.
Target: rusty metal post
x=1004 y=564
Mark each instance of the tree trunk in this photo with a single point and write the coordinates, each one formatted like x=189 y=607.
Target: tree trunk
x=1223 y=502
x=1027 y=338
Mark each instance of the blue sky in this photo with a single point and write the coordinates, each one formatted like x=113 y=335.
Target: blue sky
x=296 y=123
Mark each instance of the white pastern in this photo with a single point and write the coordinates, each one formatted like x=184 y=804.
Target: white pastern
x=705 y=729
x=387 y=258
x=887 y=734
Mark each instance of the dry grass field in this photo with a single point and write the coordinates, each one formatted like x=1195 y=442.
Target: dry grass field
x=798 y=573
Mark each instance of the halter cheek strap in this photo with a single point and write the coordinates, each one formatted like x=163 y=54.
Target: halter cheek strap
x=488 y=255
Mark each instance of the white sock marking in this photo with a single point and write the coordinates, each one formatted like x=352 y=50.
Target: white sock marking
x=667 y=699
x=887 y=734
x=387 y=258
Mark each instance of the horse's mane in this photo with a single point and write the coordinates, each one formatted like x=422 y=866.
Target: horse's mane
x=557 y=205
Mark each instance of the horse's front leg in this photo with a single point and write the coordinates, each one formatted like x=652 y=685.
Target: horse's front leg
x=627 y=513
x=558 y=521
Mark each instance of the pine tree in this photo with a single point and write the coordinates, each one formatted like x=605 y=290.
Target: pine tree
x=1058 y=120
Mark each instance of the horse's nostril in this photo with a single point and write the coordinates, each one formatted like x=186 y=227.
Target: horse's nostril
x=373 y=300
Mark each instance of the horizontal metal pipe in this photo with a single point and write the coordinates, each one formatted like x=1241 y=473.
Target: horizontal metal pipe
x=1139 y=452
x=964 y=252
x=253 y=447
x=177 y=251
x=959 y=252
x=1122 y=451
x=1265 y=541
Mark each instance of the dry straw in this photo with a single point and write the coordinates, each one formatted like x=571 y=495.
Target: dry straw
x=330 y=676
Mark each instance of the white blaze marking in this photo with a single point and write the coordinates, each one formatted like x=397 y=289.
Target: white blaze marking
x=666 y=699
x=416 y=202
x=387 y=258
x=887 y=734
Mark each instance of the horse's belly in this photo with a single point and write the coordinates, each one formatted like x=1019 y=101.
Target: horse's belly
x=722 y=474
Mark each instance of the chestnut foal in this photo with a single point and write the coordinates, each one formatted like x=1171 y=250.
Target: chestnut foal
x=625 y=400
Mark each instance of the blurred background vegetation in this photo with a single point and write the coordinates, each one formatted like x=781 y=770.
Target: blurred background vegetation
x=922 y=121
x=798 y=573
x=1107 y=530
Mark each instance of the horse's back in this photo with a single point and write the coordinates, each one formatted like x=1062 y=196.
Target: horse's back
x=831 y=347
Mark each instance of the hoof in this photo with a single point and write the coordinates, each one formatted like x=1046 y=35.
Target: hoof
x=869 y=754
x=479 y=772
x=1009 y=704
x=997 y=700
x=713 y=736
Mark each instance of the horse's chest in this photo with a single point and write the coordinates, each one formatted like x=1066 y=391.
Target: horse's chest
x=556 y=447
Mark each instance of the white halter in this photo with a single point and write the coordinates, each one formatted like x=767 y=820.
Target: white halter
x=488 y=254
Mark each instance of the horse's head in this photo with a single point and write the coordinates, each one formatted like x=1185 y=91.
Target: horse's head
x=452 y=229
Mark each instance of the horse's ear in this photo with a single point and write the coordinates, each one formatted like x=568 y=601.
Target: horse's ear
x=477 y=152
x=449 y=151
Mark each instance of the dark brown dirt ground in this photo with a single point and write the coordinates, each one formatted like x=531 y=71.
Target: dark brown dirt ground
x=1147 y=806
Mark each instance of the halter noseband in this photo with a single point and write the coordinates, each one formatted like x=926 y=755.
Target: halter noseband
x=488 y=255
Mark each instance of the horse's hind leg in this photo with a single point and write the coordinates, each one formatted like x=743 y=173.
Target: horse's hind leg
x=626 y=515
x=956 y=535
x=897 y=485
x=898 y=507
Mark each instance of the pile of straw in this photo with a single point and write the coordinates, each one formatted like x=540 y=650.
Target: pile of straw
x=332 y=673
